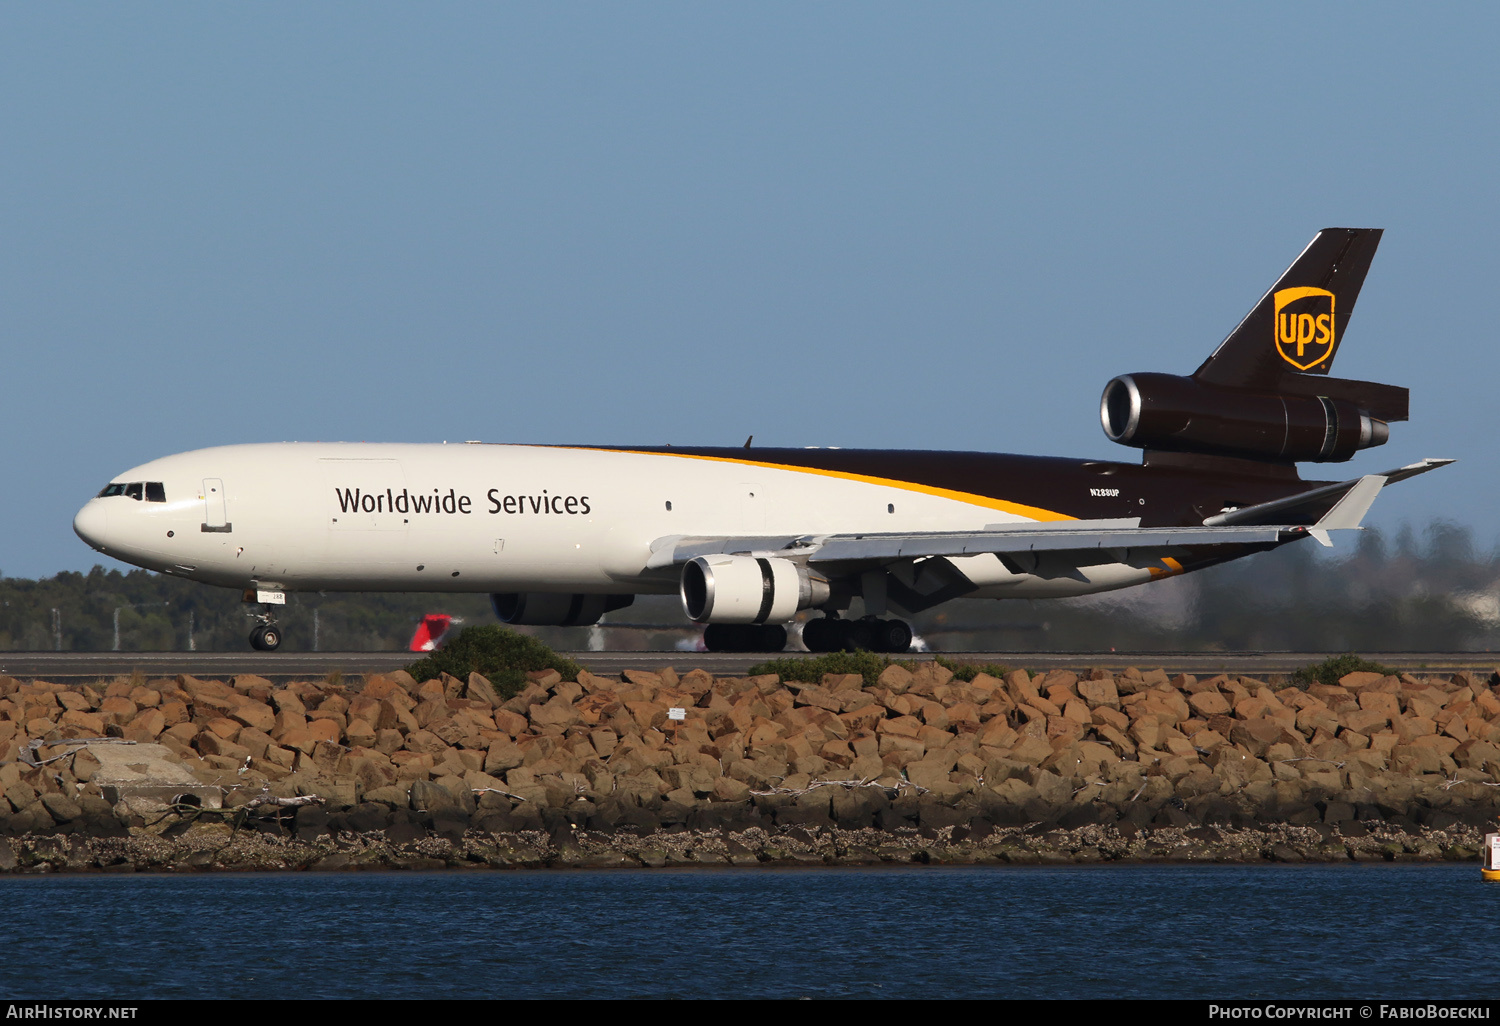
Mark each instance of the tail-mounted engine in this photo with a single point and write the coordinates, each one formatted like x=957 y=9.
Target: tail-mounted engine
x=1177 y=414
x=748 y=589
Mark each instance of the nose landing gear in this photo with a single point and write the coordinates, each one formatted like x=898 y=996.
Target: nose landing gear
x=266 y=637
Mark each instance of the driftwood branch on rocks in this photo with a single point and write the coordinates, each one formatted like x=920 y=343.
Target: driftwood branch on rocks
x=261 y=801
x=27 y=753
x=848 y=785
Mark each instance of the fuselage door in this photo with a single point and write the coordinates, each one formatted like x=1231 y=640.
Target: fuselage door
x=215 y=510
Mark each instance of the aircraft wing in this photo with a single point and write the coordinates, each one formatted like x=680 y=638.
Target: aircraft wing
x=1087 y=541
x=1066 y=536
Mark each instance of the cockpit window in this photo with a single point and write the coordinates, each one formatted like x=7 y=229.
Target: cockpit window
x=154 y=491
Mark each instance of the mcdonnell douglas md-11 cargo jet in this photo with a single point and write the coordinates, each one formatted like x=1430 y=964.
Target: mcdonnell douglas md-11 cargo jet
x=561 y=535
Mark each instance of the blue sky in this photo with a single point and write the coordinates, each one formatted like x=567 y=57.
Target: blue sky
x=914 y=226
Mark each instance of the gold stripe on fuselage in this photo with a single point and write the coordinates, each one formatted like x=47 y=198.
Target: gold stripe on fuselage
x=1003 y=505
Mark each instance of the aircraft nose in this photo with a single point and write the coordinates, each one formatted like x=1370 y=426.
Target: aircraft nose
x=91 y=523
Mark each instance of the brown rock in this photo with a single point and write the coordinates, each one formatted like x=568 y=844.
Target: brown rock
x=1408 y=728
x=288 y=720
x=1019 y=687
x=91 y=724
x=964 y=716
x=510 y=723
x=360 y=734
x=210 y=743
x=303 y=740
x=324 y=730
x=1443 y=743
x=1208 y=703
x=1312 y=719
x=895 y=679
x=502 y=756
x=1365 y=721
x=146 y=726
x=480 y=689
x=559 y=713
x=1078 y=712
x=1030 y=750
x=1417 y=759
x=934 y=714
x=592 y=682
x=1099 y=693
x=394 y=715
x=1257 y=735
x=431 y=712
x=643 y=678
x=381 y=686
x=253 y=714
x=118 y=710
x=424 y=741
x=74 y=701
x=226 y=728
x=818 y=697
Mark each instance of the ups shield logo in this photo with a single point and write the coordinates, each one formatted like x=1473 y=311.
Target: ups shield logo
x=1304 y=326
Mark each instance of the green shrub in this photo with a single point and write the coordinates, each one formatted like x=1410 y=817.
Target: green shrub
x=869 y=665
x=1330 y=670
x=968 y=671
x=866 y=664
x=495 y=652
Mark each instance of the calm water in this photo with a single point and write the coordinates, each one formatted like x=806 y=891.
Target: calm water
x=1394 y=931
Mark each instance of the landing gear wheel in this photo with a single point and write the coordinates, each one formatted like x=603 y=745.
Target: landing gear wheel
x=892 y=636
x=270 y=638
x=744 y=637
x=859 y=635
x=772 y=637
x=256 y=638
x=725 y=638
x=823 y=635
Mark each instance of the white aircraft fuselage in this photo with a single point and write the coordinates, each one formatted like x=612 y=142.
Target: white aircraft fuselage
x=520 y=518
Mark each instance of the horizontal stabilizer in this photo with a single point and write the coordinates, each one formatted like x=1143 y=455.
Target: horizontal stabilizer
x=1306 y=505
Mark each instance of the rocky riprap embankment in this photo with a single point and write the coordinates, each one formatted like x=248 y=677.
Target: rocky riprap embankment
x=919 y=767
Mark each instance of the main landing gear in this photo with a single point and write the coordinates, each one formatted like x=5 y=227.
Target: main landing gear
x=744 y=637
x=827 y=634
x=830 y=634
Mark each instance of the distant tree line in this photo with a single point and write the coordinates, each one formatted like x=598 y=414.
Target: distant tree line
x=1403 y=594
x=75 y=612
x=1407 y=593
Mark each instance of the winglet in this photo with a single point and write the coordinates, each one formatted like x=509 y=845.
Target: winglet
x=1347 y=513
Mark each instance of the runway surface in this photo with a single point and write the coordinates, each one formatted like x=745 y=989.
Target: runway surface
x=314 y=665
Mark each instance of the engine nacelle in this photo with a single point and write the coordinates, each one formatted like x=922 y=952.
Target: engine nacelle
x=550 y=609
x=1175 y=414
x=748 y=589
